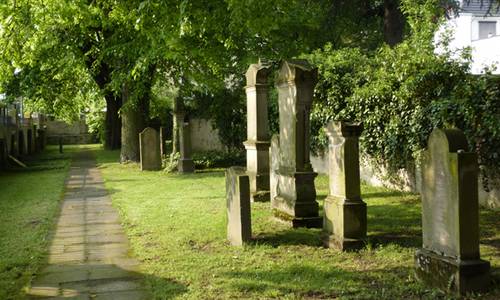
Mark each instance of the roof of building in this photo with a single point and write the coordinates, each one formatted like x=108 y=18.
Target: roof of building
x=481 y=7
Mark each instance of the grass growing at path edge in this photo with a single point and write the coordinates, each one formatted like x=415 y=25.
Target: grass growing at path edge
x=176 y=225
x=29 y=202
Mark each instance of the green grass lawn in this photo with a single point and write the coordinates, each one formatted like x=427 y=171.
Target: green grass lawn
x=176 y=225
x=29 y=202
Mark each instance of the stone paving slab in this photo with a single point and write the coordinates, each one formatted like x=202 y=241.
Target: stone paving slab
x=88 y=256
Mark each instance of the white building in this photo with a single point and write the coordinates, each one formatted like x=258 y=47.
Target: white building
x=477 y=26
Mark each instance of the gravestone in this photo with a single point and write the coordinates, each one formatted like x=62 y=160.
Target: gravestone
x=274 y=156
x=257 y=143
x=30 y=139
x=295 y=202
x=149 y=146
x=239 y=228
x=186 y=164
x=344 y=223
x=450 y=258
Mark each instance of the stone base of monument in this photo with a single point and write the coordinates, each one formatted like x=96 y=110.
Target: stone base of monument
x=344 y=223
x=185 y=166
x=449 y=274
x=259 y=187
x=342 y=244
x=260 y=196
x=297 y=222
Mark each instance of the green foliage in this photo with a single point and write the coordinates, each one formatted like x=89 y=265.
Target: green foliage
x=402 y=93
x=219 y=159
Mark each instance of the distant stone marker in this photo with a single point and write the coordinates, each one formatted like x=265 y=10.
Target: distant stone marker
x=257 y=143
x=239 y=228
x=149 y=144
x=344 y=223
x=295 y=202
x=163 y=139
x=186 y=164
x=450 y=257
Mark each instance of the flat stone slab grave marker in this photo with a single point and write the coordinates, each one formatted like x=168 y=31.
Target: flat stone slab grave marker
x=239 y=226
x=88 y=255
x=149 y=144
x=450 y=258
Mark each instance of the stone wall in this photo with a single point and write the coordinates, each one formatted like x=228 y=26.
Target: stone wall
x=407 y=181
x=203 y=136
x=75 y=133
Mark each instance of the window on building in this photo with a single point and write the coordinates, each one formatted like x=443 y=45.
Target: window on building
x=487 y=29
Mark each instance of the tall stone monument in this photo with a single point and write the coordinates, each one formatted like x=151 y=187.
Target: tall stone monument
x=186 y=164
x=344 y=223
x=296 y=194
x=163 y=139
x=239 y=226
x=257 y=143
x=149 y=146
x=450 y=257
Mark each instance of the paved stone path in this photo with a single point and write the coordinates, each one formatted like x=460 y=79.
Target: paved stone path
x=89 y=252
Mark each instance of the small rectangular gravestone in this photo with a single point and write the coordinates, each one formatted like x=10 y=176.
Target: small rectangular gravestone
x=450 y=258
x=344 y=224
x=239 y=228
x=149 y=145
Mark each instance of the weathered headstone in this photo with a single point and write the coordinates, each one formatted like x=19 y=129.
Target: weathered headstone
x=149 y=145
x=274 y=157
x=295 y=202
x=344 y=223
x=186 y=164
x=239 y=228
x=450 y=257
x=257 y=143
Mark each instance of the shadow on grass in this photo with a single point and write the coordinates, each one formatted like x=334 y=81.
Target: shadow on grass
x=301 y=236
x=318 y=283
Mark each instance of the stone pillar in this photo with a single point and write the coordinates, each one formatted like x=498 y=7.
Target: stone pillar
x=163 y=139
x=257 y=143
x=344 y=223
x=295 y=202
x=186 y=164
x=274 y=161
x=239 y=226
x=149 y=148
x=450 y=259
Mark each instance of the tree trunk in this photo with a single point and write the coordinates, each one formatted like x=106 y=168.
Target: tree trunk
x=134 y=119
x=177 y=109
x=394 y=22
x=113 y=123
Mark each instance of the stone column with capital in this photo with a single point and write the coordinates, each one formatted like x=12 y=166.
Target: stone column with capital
x=257 y=143
x=344 y=223
x=295 y=202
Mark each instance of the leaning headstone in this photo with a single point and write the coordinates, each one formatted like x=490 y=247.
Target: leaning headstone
x=295 y=202
x=257 y=143
x=149 y=145
x=239 y=228
x=450 y=258
x=344 y=223
x=186 y=164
